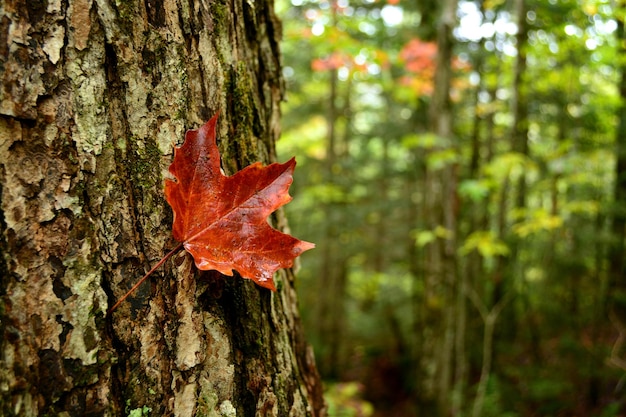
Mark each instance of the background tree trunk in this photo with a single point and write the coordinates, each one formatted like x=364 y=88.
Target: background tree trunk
x=617 y=248
x=441 y=283
x=94 y=95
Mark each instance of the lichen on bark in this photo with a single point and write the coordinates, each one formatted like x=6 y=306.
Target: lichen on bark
x=94 y=94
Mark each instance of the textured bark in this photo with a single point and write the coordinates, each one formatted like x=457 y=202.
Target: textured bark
x=94 y=95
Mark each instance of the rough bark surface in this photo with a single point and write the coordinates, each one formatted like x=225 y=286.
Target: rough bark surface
x=94 y=94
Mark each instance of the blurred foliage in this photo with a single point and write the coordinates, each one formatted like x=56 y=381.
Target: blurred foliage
x=359 y=77
x=344 y=400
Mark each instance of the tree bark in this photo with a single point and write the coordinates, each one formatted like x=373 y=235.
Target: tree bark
x=94 y=95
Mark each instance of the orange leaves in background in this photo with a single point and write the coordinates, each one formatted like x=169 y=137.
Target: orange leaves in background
x=354 y=64
x=337 y=60
x=331 y=62
x=419 y=56
x=419 y=59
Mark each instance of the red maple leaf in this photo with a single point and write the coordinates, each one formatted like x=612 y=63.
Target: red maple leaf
x=222 y=221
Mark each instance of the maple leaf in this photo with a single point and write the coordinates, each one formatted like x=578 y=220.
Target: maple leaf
x=222 y=221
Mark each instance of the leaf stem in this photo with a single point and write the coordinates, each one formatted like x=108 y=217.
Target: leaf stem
x=161 y=262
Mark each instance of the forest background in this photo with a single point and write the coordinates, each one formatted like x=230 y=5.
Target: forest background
x=462 y=168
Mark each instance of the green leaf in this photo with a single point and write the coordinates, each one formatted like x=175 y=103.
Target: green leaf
x=476 y=190
x=422 y=140
x=486 y=243
x=424 y=237
x=540 y=220
x=440 y=159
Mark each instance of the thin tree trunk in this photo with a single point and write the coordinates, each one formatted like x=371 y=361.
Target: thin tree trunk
x=330 y=277
x=520 y=145
x=616 y=253
x=471 y=272
x=617 y=249
x=415 y=181
x=441 y=279
x=506 y=269
x=519 y=106
x=489 y=319
x=94 y=96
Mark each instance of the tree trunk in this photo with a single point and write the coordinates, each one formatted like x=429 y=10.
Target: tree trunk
x=330 y=307
x=616 y=258
x=94 y=96
x=617 y=249
x=441 y=214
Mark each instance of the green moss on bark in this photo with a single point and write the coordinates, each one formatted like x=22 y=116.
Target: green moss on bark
x=242 y=145
x=144 y=163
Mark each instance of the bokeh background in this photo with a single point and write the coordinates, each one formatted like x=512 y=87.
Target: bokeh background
x=462 y=170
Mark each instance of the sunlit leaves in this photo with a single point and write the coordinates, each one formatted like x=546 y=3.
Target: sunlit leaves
x=425 y=140
x=509 y=164
x=424 y=237
x=440 y=159
x=582 y=207
x=537 y=221
x=486 y=243
x=475 y=190
x=345 y=399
